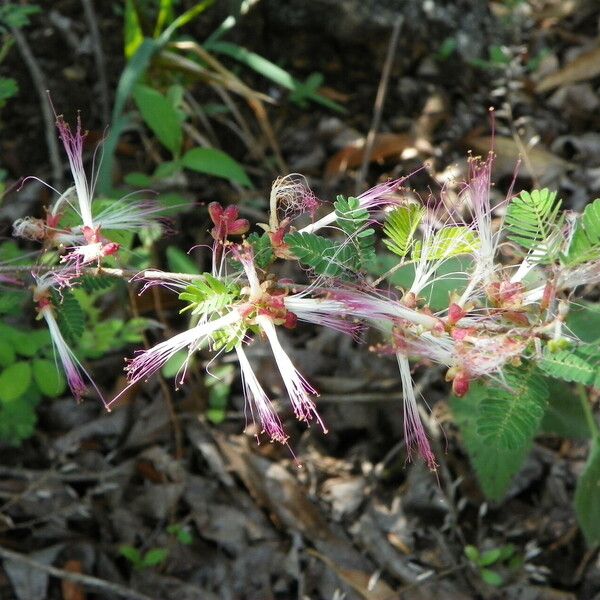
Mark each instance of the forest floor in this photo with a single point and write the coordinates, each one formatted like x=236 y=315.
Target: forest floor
x=241 y=520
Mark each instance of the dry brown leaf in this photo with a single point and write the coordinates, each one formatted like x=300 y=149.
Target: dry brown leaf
x=385 y=146
x=70 y=589
x=585 y=66
x=361 y=582
x=537 y=162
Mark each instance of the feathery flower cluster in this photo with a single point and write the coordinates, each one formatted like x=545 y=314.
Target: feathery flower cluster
x=502 y=311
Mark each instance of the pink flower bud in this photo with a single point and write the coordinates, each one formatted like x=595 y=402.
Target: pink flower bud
x=460 y=384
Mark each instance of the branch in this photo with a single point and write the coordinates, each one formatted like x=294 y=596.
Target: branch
x=87 y=580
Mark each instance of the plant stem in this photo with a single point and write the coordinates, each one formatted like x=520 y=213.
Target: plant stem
x=588 y=412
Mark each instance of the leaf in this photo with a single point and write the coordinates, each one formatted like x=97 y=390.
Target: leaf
x=14 y=381
x=495 y=466
x=491 y=577
x=585 y=66
x=7 y=353
x=583 y=321
x=160 y=116
x=17 y=421
x=587 y=496
x=585 y=243
x=533 y=222
x=132 y=31
x=564 y=416
x=262 y=248
x=489 y=557
x=320 y=254
x=271 y=71
x=575 y=365
x=540 y=163
x=353 y=220
x=208 y=295
x=132 y=554
x=180 y=262
x=175 y=363
x=448 y=242
x=71 y=318
x=49 y=379
x=510 y=416
x=385 y=146
x=400 y=227
x=215 y=162
x=154 y=557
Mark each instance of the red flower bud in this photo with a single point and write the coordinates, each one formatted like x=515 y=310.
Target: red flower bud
x=460 y=384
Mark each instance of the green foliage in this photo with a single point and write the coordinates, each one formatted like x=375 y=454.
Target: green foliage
x=8 y=89
x=48 y=377
x=175 y=363
x=161 y=117
x=219 y=391
x=587 y=496
x=182 y=533
x=262 y=248
x=446 y=243
x=510 y=416
x=301 y=92
x=583 y=321
x=481 y=561
x=211 y=161
x=152 y=558
x=353 y=220
x=585 y=243
x=320 y=254
x=496 y=465
x=16 y=15
x=71 y=318
x=180 y=262
x=400 y=227
x=580 y=365
x=208 y=295
x=564 y=416
x=15 y=381
x=533 y=221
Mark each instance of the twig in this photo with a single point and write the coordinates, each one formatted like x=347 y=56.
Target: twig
x=379 y=102
x=90 y=17
x=39 y=83
x=87 y=580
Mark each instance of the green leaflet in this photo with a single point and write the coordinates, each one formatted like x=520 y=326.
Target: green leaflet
x=585 y=243
x=208 y=295
x=353 y=221
x=263 y=250
x=587 y=496
x=400 y=227
x=447 y=242
x=580 y=365
x=510 y=416
x=533 y=222
x=495 y=467
x=71 y=318
x=320 y=254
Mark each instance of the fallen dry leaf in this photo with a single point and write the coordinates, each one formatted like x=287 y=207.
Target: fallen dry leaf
x=537 y=162
x=70 y=589
x=385 y=146
x=585 y=66
x=366 y=585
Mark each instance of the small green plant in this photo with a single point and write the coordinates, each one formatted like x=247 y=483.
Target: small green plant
x=151 y=558
x=504 y=557
x=182 y=533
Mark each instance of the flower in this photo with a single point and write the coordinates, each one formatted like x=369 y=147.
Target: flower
x=414 y=432
x=75 y=372
x=376 y=197
x=258 y=401
x=84 y=241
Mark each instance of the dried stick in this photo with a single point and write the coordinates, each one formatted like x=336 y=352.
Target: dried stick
x=39 y=83
x=379 y=102
x=90 y=17
x=87 y=580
